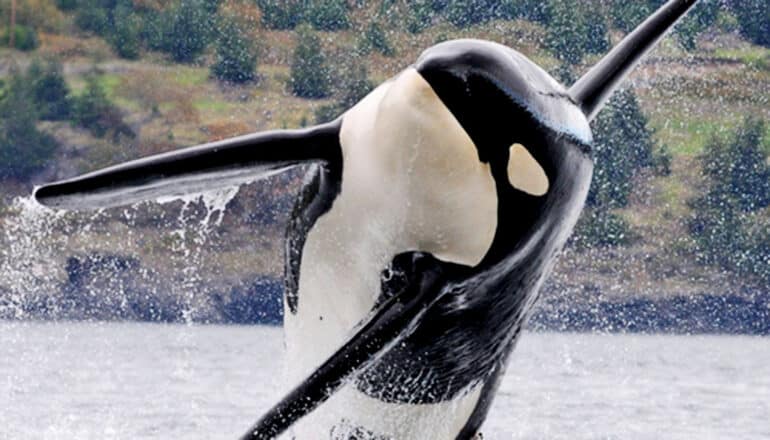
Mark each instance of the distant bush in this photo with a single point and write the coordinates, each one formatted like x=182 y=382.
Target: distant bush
x=49 y=90
x=464 y=13
x=626 y=15
x=309 y=72
x=703 y=15
x=94 y=111
x=374 y=38
x=600 y=227
x=25 y=38
x=731 y=218
x=753 y=20
x=24 y=150
x=188 y=30
x=622 y=145
x=327 y=15
x=236 y=57
x=574 y=30
x=354 y=86
x=67 y=5
x=126 y=32
x=281 y=14
x=91 y=16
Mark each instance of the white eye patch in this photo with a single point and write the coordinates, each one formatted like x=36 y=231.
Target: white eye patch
x=524 y=173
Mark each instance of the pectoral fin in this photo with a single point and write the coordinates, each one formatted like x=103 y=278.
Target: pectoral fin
x=392 y=321
x=190 y=170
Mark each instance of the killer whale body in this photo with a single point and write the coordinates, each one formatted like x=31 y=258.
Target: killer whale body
x=443 y=318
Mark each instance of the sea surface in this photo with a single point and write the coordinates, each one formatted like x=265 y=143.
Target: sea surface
x=144 y=381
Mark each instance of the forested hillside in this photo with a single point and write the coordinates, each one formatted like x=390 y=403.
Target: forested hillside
x=676 y=233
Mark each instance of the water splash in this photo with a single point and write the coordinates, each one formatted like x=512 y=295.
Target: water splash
x=47 y=255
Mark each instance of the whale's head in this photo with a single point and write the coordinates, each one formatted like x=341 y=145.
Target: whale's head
x=529 y=130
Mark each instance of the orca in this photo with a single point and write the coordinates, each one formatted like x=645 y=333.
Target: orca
x=431 y=213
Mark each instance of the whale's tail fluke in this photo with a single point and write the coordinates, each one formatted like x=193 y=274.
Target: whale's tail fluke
x=595 y=87
x=196 y=169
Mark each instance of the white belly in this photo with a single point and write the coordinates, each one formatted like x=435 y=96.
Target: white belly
x=411 y=181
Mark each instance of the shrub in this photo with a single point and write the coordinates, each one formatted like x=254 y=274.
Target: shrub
x=464 y=13
x=374 y=38
x=574 y=31
x=24 y=149
x=730 y=219
x=354 y=86
x=600 y=227
x=126 y=36
x=49 y=90
x=189 y=30
x=699 y=19
x=753 y=20
x=236 y=58
x=327 y=15
x=622 y=145
x=25 y=38
x=92 y=17
x=93 y=110
x=309 y=74
x=281 y=14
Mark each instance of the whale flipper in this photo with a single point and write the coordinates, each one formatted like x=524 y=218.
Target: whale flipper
x=195 y=169
x=388 y=324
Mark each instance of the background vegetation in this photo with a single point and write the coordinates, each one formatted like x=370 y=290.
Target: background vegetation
x=679 y=202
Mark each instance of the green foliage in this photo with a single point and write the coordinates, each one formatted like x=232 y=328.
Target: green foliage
x=309 y=73
x=94 y=111
x=626 y=15
x=189 y=31
x=730 y=223
x=703 y=15
x=126 y=36
x=24 y=150
x=49 y=90
x=574 y=31
x=537 y=11
x=600 y=227
x=622 y=145
x=91 y=16
x=354 y=86
x=236 y=58
x=753 y=20
x=420 y=15
x=328 y=15
x=281 y=14
x=25 y=38
x=464 y=13
x=67 y=5
x=374 y=38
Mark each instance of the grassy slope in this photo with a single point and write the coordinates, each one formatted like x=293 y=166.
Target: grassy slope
x=688 y=99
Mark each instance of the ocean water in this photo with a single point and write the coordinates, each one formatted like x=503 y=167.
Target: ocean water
x=142 y=381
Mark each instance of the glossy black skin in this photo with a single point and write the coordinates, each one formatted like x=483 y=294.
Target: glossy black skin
x=466 y=336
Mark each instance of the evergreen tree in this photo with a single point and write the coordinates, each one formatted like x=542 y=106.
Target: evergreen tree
x=354 y=86
x=703 y=15
x=126 y=31
x=24 y=149
x=49 y=90
x=236 y=58
x=281 y=14
x=568 y=31
x=730 y=223
x=622 y=145
x=94 y=111
x=328 y=15
x=374 y=38
x=753 y=20
x=309 y=72
x=189 y=30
